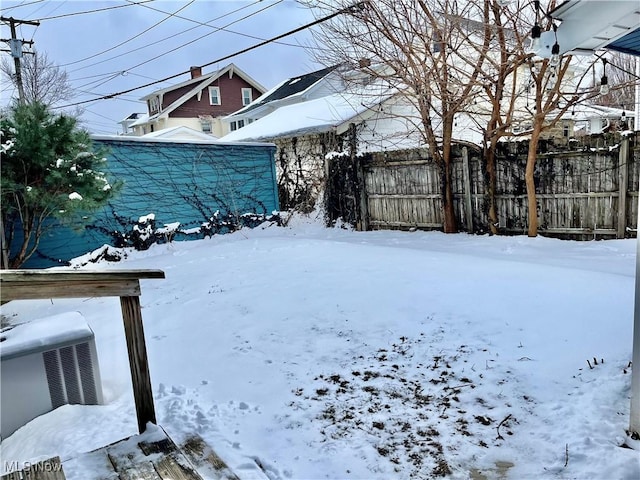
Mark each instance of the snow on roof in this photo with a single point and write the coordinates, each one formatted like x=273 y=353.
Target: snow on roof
x=586 y=112
x=191 y=141
x=132 y=116
x=180 y=132
x=313 y=116
x=142 y=119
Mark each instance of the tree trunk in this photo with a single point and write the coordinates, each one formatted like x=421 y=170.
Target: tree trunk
x=450 y=225
x=490 y=159
x=530 y=183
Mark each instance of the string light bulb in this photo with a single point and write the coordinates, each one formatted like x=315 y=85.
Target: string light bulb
x=536 y=31
x=604 y=81
x=555 y=50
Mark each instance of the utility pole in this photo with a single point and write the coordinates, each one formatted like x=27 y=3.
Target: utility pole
x=15 y=45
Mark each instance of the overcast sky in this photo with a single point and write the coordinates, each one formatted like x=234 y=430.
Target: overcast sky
x=135 y=35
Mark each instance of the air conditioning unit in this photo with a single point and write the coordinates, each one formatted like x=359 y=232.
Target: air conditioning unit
x=45 y=364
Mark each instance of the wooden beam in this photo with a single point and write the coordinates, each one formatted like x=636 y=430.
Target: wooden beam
x=40 y=284
x=138 y=363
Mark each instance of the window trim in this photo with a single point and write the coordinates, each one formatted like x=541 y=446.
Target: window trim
x=217 y=90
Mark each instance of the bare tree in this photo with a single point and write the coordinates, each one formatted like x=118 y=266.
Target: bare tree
x=43 y=81
x=523 y=95
x=553 y=87
x=424 y=48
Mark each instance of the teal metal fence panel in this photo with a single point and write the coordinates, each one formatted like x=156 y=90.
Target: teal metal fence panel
x=197 y=185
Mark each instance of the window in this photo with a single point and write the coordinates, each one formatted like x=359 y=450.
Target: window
x=249 y=120
x=214 y=96
x=240 y=123
x=206 y=126
x=247 y=96
x=233 y=126
x=154 y=105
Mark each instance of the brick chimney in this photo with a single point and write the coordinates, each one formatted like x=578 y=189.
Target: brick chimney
x=195 y=72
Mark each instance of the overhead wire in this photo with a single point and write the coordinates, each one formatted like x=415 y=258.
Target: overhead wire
x=187 y=43
x=169 y=15
x=226 y=57
x=23 y=4
x=163 y=39
x=224 y=29
x=86 y=12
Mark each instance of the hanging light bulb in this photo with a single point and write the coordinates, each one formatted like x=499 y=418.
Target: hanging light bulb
x=604 y=81
x=604 y=85
x=555 y=55
x=536 y=31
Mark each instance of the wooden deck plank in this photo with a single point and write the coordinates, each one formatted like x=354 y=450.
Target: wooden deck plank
x=11 y=476
x=169 y=467
x=202 y=456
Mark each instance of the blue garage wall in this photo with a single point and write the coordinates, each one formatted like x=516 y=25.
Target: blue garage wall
x=186 y=182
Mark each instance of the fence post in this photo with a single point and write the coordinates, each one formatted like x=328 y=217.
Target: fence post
x=467 y=189
x=623 y=185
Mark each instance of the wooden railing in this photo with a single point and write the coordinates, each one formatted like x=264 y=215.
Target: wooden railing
x=43 y=284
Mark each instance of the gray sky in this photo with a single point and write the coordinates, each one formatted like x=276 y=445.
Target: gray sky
x=76 y=42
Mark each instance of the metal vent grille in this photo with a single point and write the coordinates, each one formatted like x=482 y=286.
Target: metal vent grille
x=70 y=370
x=85 y=364
x=54 y=378
x=70 y=374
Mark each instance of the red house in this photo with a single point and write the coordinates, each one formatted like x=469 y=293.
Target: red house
x=200 y=102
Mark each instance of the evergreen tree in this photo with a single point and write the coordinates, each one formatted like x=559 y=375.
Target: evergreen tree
x=50 y=171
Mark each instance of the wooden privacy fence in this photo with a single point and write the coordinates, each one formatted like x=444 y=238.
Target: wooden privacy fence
x=582 y=194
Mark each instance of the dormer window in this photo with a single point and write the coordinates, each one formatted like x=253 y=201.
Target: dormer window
x=214 y=96
x=247 y=96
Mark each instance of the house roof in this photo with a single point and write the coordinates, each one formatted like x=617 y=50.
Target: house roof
x=314 y=116
x=288 y=88
x=204 y=80
x=132 y=116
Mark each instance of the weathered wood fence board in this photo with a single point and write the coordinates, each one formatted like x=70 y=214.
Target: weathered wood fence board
x=591 y=193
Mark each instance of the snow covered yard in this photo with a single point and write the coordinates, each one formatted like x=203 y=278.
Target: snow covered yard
x=326 y=353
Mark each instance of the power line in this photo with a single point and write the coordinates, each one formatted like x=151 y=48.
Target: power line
x=169 y=15
x=21 y=5
x=173 y=36
x=181 y=46
x=93 y=11
x=203 y=36
x=224 y=29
